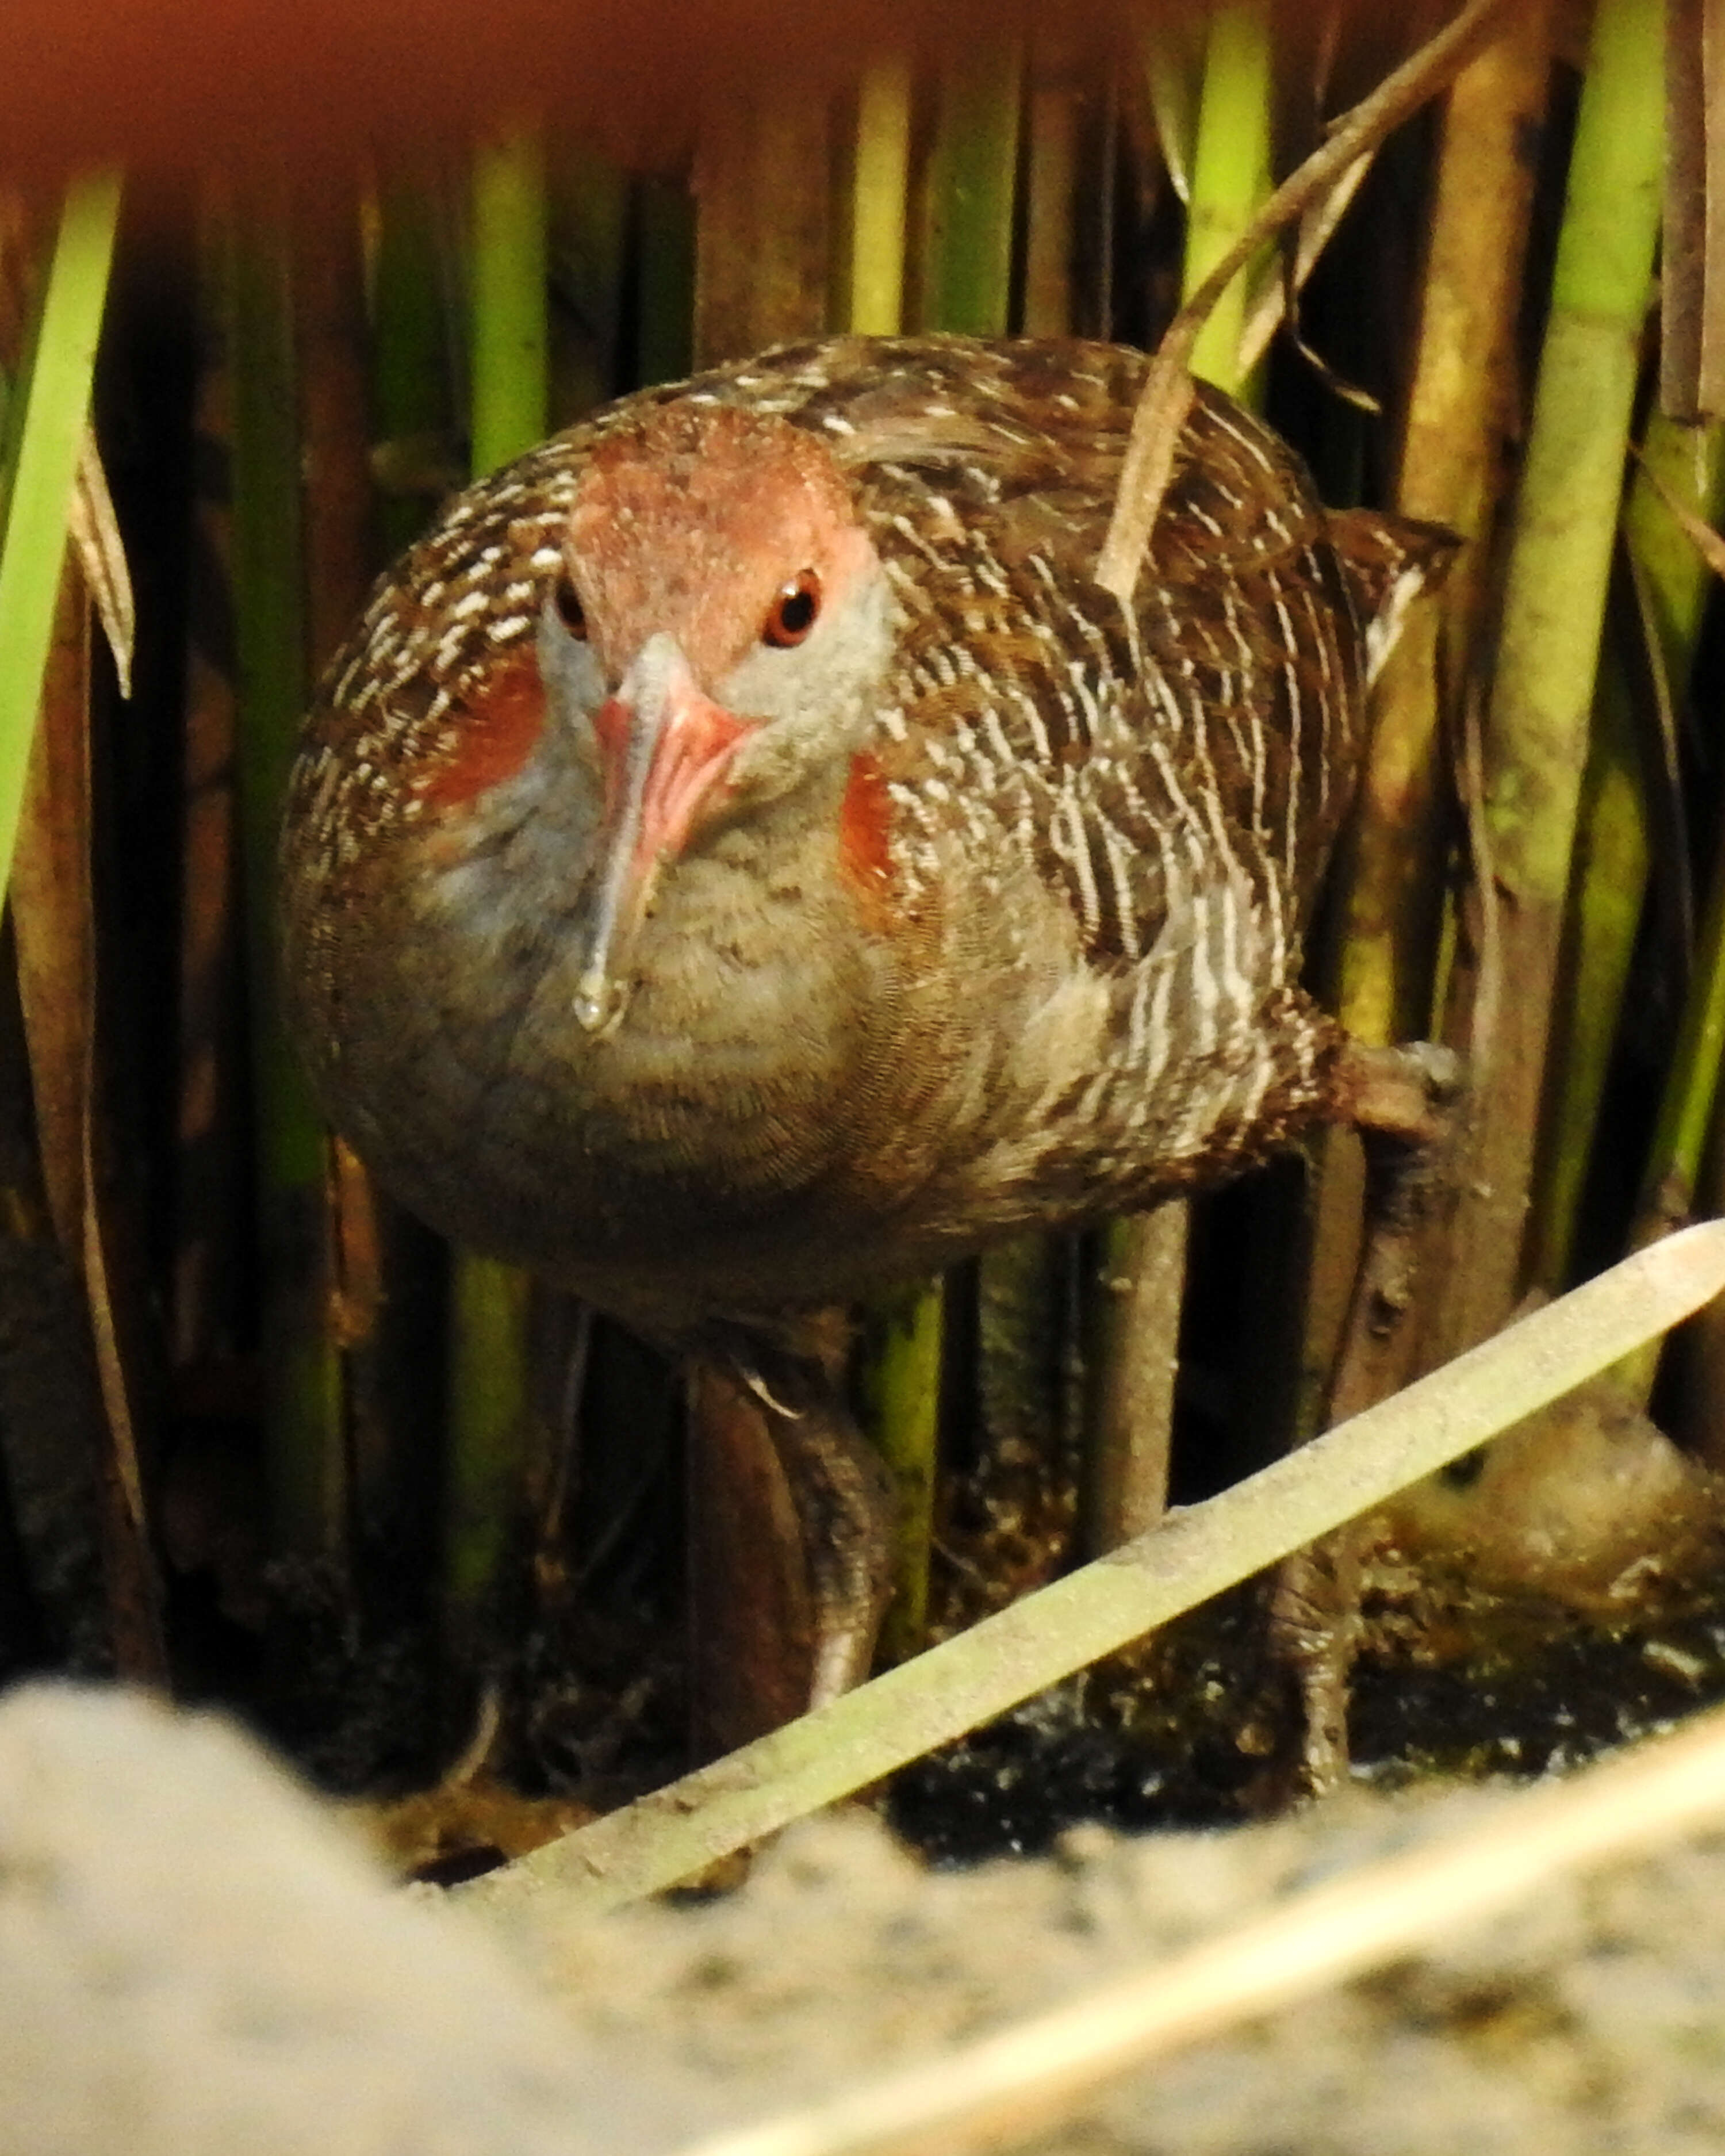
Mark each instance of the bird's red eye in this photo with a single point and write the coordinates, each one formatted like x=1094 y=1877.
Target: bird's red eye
x=793 y=612
x=570 y=611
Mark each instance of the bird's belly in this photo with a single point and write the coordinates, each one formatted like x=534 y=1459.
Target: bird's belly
x=713 y=1148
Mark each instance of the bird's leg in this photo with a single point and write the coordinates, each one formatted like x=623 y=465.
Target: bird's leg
x=845 y=1508
x=843 y=1499
x=1403 y=1102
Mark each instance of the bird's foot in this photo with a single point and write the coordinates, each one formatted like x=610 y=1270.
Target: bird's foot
x=1406 y=1103
x=1407 y=1093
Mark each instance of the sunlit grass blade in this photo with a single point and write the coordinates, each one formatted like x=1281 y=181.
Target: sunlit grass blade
x=46 y=417
x=1171 y=78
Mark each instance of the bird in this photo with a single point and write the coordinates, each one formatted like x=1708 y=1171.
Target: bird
x=742 y=858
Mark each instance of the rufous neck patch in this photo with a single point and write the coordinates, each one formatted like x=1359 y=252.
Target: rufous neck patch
x=491 y=736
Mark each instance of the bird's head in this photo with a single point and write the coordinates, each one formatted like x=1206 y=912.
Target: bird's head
x=719 y=632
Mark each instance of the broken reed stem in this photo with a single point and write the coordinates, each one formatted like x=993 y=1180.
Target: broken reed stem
x=48 y=467
x=1167 y=395
x=1140 y=1283
x=490 y=1433
x=1461 y=409
x=1002 y=2088
x=1131 y=1361
x=1194 y=1555
x=1054 y=128
x=1537 y=730
x=486 y=1496
x=587 y=214
x=664 y=312
x=1462 y=406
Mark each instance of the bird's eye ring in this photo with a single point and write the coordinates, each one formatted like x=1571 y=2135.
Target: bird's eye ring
x=570 y=611
x=793 y=611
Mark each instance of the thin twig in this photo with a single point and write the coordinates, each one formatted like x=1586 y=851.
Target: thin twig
x=1166 y=394
x=1700 y=534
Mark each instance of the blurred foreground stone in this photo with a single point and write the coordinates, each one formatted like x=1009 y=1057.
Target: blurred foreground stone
x=195 y=1958
x=198 y=1960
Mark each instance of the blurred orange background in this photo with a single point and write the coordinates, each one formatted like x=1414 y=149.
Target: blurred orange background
x=182 y=82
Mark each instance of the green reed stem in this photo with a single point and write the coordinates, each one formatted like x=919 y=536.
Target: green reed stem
x=880 y=193
x=1230 y=174
x=490 y=1438
x=304 y=1411
x=665 y=329
x=1614 y=852
x=412 y=388
x=973 y=176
